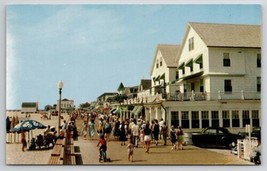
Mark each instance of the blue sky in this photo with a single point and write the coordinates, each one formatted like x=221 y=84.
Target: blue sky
x=92 y=48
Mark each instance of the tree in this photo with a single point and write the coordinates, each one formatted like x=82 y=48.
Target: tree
x=48 y=107
x=85 y=105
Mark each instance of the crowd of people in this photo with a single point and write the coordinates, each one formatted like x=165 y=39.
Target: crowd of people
x=136 y=132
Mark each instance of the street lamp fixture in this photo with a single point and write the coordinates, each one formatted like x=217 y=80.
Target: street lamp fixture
x=60 y=86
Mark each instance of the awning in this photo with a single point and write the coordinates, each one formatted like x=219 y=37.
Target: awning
x=112 y=110
x=199 y=59
x=138 y=110
x=192 y=76
x=189 y=63
x=158 y=78
x=181 y=66
x=118 y=110
x=162 y=76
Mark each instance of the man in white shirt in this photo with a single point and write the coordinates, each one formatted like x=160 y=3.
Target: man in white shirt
x=135 y=133
x=160 y=126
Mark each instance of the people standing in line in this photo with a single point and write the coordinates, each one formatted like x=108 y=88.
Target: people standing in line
x=147 y=137
x=123 y=137
x=164 y=131
x=180 y=139
x=130 y=149
x=91 y=129
x=160 y=126
x=135 y=133
x=173 y=138
x=23 y=140
x=156 y=131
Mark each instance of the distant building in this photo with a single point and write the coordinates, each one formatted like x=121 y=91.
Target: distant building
x=29 y=107
x=66 y=104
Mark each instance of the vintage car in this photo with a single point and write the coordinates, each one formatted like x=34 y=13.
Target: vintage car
x=215 y=137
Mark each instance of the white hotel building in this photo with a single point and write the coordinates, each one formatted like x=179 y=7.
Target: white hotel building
x=213 y=79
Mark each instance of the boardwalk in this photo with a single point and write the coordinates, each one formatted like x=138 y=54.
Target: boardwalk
x=87 y=154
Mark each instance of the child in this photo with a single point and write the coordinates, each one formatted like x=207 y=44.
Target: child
x=173 y=138
x=103 y=148
x=180 y=134
x=130 y=148
x=142 y=137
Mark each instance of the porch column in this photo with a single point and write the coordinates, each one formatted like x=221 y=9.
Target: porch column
x=200 y=119
x=231 y=119
x=190 y=119
x=240 y=119
x=210 y=119
x=220 y=118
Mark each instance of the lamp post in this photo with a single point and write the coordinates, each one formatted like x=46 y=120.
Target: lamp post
x=60 y=86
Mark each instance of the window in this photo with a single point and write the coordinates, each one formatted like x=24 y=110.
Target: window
x=258 y=84
x=226 y=60
x=215 y=118
x=191 y=43
x=205 y=118
x=226 y=118
x=185 y=119
x=157 y=65
x=245 y=117
x=177 y=75
x=255 y=118
x=201 y=86
x=192 y=86
x=175 y=119
x=258 y=60
x=195 y=119
x=235 y=118
x=160 y=63
x=227 y=86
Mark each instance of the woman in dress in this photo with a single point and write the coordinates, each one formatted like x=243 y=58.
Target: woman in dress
x=122 y=133
x=91 y=129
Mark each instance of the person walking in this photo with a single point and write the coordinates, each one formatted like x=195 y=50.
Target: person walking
x=23 y=140
x=173 y=138
x=156 y=131
x=123 y=137
x=108 y=129
x=91 y=129
x=164 y=131
x=180 y=139
x=130 y=149
x=84 y=129
x=135 y=133
x=147 y=137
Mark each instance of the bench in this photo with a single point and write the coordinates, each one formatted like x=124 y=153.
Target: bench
x=54 y=160
x=70 y=160
x=70 y=150
x=57 y=150
x=59 y=142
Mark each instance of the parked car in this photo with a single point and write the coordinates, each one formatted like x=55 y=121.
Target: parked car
x=256 y=132
x=215 y=137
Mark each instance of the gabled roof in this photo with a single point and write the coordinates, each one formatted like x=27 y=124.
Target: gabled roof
x=146 y=84
x=228 y=35
x=29 y=104
x=169 y=53
x=225 y=35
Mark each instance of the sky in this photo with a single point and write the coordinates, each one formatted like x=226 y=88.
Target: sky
x=93 y=48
